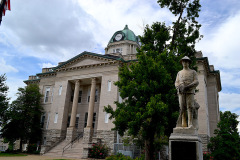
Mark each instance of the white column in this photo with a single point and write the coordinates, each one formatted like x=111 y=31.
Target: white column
x=91 y=103
x=130 y=49
x=75 y=104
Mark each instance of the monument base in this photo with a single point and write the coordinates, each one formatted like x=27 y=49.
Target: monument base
x=184 y=143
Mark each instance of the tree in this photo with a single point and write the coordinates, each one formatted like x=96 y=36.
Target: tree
x=226 y=144
x=3 y=98
x=150 y=105
x=24 y=116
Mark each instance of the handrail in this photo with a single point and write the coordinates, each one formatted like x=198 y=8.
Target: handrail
x=54 y=145
x=80 y=135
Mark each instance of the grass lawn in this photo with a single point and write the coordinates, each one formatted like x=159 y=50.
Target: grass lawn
x=58 y=159
x=11 y=155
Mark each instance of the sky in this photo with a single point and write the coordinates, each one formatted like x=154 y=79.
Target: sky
x=37 y=34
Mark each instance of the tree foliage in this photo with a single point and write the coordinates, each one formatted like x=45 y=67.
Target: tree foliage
x=185 y=29
x=150 y=104
x=23 y=116
x=226 y=144
x=3 y=97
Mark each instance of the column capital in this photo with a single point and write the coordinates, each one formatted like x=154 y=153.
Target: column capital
x=94 y=80
x=77 y=82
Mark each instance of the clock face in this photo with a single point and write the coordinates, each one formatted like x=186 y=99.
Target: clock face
x=118 y=37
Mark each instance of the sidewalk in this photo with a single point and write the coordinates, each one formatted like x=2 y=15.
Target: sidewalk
x=35 y=157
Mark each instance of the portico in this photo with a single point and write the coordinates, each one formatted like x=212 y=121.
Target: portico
x=72 y=130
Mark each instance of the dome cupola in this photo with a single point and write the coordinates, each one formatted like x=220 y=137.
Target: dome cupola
x=125 y=34
x=124 y=43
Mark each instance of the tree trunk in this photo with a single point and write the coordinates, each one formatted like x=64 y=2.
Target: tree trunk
x=21 y=142
x=149 y=149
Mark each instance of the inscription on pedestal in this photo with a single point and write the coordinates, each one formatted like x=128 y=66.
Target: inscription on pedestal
x=183 y=150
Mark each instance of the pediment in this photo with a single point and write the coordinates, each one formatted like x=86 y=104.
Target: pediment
x=87 y=59
x=84 y=62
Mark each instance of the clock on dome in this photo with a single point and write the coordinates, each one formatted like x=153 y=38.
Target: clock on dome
x=118 y=37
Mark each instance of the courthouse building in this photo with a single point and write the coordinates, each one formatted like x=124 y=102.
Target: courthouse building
x=76 y=91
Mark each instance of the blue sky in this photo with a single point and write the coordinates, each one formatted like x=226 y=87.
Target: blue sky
x=37 y=34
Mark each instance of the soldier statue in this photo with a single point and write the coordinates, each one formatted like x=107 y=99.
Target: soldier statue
x=186 y=83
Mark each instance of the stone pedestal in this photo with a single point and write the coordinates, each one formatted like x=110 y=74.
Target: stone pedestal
x=184 y=143
x=87 y=141
x=71 y=133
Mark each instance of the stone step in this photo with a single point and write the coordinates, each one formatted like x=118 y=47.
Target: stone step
x=72 y=156
x=72 y=152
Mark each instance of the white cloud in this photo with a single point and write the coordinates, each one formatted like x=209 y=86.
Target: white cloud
x=230 y=102
x=4 y=68
x=222 y=46
x=14 y=84
x=54 y=31
x=230 y=78
x=47 y=65
x=112 y=16
x=73 y=26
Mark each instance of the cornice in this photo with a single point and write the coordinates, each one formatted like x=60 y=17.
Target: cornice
x=88 y=66
x=122 y=43
x=90 y=55
x=33 y=81
x=85 y=57
x=46 y=74
x=215 y=73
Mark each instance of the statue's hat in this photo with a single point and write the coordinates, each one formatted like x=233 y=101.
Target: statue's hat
x=185 y=58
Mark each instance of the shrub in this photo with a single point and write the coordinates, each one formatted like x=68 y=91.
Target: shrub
x=118 y=156
x=207 y=156
x=31 y=148
x=98 y=151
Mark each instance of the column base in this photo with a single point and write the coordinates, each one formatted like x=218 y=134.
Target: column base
x=87 y=140
x=71 y=133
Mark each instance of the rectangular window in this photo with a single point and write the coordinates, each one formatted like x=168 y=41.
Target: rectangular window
x=88 y=95
x=86 y=117
x=85 y=120
x=42 y=120
x=46 y=97
x=56 y=118
x=72 y=95
x=109 y=85
x=94 y=119
x=106 y=117
x=77 y=121
x=114 y=51
x=80 y=97
x=60 y=90
x=52 y=94
x=119 y=50
x=48 y=120
x=68 y=122
x=96 y=95
x=44 y=140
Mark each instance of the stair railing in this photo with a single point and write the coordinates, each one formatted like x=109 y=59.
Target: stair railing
x=54 y=145
x=80 y=135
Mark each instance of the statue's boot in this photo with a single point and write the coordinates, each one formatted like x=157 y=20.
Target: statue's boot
x=184 y=120
x=190 y=118
x=179 y=121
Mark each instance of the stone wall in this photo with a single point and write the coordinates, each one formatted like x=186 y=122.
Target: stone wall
x=53 y=137
x=101 y=136
x=106 y=137
x=205 y=140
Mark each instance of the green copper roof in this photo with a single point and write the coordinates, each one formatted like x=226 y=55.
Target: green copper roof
x=127 y=35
